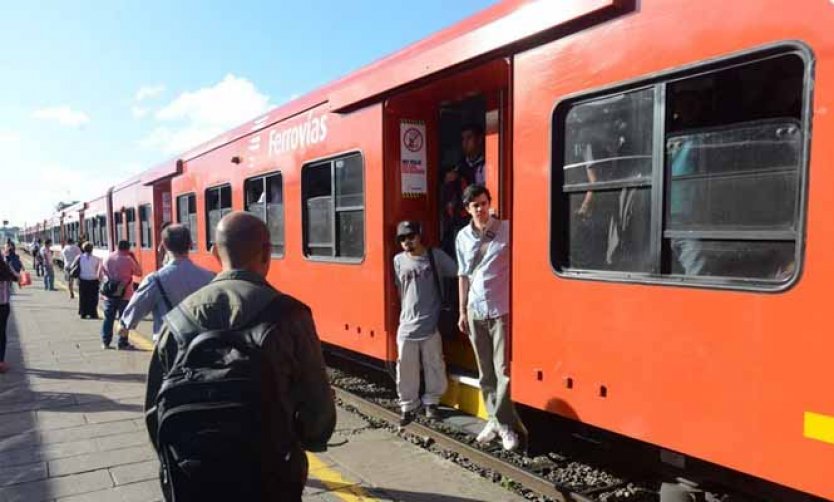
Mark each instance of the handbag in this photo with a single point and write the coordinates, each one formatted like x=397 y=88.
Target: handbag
x=113 y=289
x=25 y=279
x=75 y=269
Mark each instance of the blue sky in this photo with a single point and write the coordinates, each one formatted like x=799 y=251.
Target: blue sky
x=94 y=91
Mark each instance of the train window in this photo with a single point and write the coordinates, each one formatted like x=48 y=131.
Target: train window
x=265 y=199
x=119 y=224
x=103 y=237
x=145 y=226
x=692 y=178
x=130 y=219
x=187 y=215
x=333 y=198
x=608 y=180
x=218 y=205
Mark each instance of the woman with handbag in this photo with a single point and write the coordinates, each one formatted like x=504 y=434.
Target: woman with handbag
x=87 y=267
x=7 y=277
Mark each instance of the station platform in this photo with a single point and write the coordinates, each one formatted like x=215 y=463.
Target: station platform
x=72 y=428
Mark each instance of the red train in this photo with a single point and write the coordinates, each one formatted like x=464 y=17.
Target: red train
x=664 y=165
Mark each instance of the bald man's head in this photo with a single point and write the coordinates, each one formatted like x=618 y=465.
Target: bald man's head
x=242 y=242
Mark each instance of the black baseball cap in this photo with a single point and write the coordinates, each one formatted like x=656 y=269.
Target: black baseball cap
x=407 y=227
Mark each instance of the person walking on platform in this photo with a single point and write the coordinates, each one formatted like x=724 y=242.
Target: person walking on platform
x=118 y=271
x=11 y=257
x=70 y=253
x=263 y=395
x=48 y=266
x=7 y=277
x=418 y=272
x=88 y=282
x=163 y=290
x=37 y=259
x=483 y=251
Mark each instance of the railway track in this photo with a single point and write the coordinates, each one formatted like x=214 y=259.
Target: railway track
x=545 y=477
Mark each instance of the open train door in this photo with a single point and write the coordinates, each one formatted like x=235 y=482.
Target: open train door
x=422 y=135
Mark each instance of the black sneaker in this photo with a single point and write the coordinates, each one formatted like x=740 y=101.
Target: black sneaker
x=105 y=346
x=125 y=346
x=406 y=417
x=432 y=412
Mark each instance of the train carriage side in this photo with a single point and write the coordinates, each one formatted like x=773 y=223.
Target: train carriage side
x=98 y=226
x=671 y=247
x=316 y=179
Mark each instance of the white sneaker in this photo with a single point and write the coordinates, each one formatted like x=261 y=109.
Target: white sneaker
x=509 y=439
x=487 y=434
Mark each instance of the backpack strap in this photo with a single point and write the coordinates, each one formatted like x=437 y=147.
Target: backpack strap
x=436 y=275
x=165 y=297
x=487 y=237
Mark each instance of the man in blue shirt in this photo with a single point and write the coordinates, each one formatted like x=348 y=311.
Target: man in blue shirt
x=483 y=252
x=163 y=290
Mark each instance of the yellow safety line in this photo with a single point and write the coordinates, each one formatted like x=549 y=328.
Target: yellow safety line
x=338 y=485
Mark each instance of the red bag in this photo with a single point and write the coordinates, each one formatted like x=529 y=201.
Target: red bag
x=25 y=279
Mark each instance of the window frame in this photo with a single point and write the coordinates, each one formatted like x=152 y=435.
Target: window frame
x=147 y=210
x=660 y=181
x=186 y=224
x=209 y=243
x=263 y=178
x=350 y=260
x=130 y=225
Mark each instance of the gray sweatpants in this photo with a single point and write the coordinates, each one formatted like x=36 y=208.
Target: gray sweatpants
x=411 y=353
x=489 y=339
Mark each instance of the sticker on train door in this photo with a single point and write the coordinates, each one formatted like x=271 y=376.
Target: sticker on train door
x=413 y=158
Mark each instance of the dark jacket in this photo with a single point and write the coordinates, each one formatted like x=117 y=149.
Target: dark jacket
x=14 y=262
x=303 y=397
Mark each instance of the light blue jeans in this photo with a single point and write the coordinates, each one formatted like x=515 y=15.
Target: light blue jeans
x=49 y=278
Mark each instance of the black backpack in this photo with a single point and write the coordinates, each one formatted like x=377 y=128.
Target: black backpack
x=209 y=413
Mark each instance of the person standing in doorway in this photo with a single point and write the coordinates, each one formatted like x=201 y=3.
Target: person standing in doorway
x=88 y=281
x=472 y=166
x=483 y=252
x=419 y=272
x=70 y=253
x=118 y=269
x=48 y=266
x=7 y=277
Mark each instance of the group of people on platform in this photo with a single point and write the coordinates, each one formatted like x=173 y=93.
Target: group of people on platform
x=237 y=388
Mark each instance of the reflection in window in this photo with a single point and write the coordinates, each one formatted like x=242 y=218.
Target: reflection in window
x=607 y=173
x=334 y=228
x=265 y=198
x=218 y=205
x=146 y=226
x=187 y=215
x=729 y=203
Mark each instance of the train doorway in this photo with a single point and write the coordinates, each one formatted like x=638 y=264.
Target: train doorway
x=440 y=138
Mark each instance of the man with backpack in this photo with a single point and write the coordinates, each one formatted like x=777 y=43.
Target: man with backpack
x=419 y=272
x=159 y=292
x=237 y=388
x=119 y=269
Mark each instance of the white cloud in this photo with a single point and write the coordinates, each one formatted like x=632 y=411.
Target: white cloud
x=197 y=116
x=9 y=138
x=63 y=115
x=138 y=111
x=148 y=91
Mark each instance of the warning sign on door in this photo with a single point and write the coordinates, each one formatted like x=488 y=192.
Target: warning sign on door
x=413 y=157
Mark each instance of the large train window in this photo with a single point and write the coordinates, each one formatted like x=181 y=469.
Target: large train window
x=333 y=198
x=145 y=226
x=265 y=199
x=187 y=215
x=218 y=205
x=118 y=222
x=130 y=218
x=695 y=177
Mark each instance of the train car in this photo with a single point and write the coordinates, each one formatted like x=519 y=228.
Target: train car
x=71 y=219
x=98 y=228
x=669 y=245
x=140 y=206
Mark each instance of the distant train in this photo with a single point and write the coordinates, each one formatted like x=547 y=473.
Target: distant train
x=670 y=210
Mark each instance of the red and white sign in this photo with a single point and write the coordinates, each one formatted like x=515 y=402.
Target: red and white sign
x=413 y=157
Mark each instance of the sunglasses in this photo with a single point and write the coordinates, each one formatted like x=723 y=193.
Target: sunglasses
x=408 y=237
